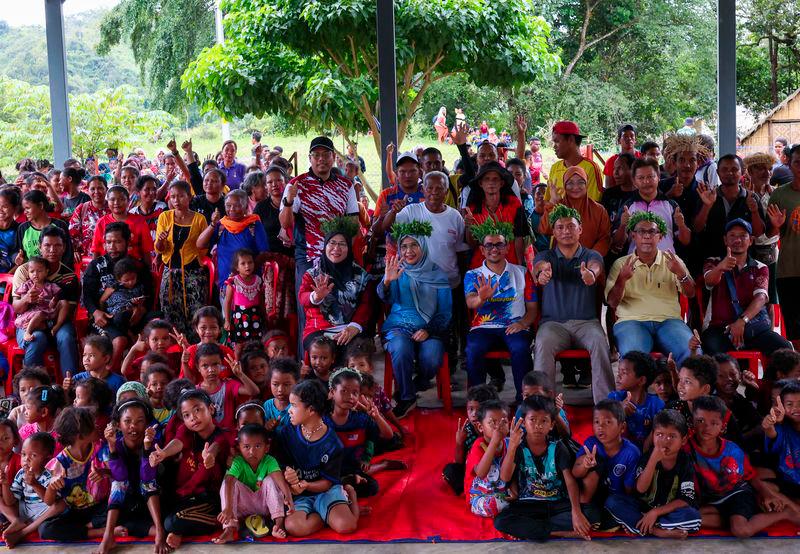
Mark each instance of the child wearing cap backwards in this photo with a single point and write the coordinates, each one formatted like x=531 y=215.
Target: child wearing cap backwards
x=729 y=486
x=665 y=503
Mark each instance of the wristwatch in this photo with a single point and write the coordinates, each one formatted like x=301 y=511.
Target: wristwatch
x=286 y=203
x=745 y=319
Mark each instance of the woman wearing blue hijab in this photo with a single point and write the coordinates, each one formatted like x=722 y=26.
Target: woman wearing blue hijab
x=421 y=306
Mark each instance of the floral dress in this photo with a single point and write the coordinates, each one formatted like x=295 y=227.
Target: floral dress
x=81 y=226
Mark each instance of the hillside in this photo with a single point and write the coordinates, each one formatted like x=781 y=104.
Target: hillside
x=24 y=54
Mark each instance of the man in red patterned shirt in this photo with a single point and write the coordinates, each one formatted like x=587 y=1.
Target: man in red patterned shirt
x=311 y=199
x=738 y=286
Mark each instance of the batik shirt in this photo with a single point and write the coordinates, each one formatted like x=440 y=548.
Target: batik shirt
x=507 y=305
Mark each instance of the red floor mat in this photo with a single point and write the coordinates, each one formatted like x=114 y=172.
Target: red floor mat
x=417 y=506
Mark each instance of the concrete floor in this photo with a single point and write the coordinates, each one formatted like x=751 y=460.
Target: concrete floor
x=694 y=546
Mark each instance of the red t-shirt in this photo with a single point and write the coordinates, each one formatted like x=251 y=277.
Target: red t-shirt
x=192 y=350
x=608 y=169
x=13 y=466
x=141 y=245
x=193 y=477
x=510 y=212
x=751 y=280
x=173 y=357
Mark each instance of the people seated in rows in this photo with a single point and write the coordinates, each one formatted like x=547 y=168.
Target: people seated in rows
x=569 y=276
x=503 y=302
x=737 y=287
x=645 y=288
x=415 y=332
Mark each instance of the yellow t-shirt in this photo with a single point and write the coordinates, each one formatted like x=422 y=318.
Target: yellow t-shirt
x=594 y=185
x=652 y=294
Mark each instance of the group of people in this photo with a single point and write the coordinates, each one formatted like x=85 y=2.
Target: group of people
x=228 y=316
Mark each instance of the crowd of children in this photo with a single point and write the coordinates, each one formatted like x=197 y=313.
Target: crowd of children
x=693 y=453
x=199 y=440
x=202 y=440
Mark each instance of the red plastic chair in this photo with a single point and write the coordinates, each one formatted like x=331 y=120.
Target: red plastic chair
x=442 y=381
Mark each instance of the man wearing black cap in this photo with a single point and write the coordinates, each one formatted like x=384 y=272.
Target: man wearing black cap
x=626 y=138
x=738 y=283
x=311 y=199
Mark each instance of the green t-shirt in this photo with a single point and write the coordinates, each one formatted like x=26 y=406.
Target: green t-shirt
x=30 y=241
x=786 y=198
x=244 y=473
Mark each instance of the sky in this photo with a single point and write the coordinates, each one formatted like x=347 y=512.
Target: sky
x=31 y=12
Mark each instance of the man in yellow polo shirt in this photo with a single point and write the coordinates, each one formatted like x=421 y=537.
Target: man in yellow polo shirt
x=645 y=288
x=567 y=140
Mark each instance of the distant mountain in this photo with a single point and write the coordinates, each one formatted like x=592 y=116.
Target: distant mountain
x=23 y=51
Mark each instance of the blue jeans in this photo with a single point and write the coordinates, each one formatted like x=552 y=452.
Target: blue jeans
x=670 y=335
x=483 y=339
x=404 y=350
x=66 y=344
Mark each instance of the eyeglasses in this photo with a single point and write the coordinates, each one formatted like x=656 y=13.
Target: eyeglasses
x=647 y=232
x=574 y=184
x=337 y=244
x=495 y=245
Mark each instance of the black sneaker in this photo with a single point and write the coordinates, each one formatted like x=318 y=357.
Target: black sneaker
x=403 y=408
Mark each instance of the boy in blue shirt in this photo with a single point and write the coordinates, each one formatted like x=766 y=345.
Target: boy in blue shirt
x=782 y=433
x=608 y=461
x=548 y=501
x=729 y=486
x=537 y=383
x=665 y=504
x=635 y=373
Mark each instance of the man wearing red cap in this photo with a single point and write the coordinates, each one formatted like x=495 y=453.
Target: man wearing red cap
x=567 y=139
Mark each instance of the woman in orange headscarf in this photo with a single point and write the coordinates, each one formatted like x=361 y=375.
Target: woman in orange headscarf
x=595 y=222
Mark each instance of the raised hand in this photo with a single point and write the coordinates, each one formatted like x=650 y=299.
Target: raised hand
x=110 y=434
x=625 y=217
x=560 y=401
x=628 y=268
x=628 y=405
x=208 y=455
x=323 y=286
x=589 y=458
x=233 y=363
x=728 y=262
x=676 y=190
x=66 y=384
x=776 y=413
x=459 y=134
x=180 y=339
x=680 y=220
x=545 y=274
x=461 y=431
x=485 y=289
x=751 y=202
x=389 y=150
x=674 y=264
x=291 y=192
x=515 y=439
x=777 y=216
x=469 y=217
x=187 y=147
x=393 y=270
x=707 y=195
x=157 y=456
x=215 y=217
x=29 y=476
x=694 y=345
x=587 y=275
x=398 y=205
x=522 y=125
x=150 y=436
x=749 y=379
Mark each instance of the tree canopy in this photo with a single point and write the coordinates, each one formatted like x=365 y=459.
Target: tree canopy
x=103 y=119
x=317 y=61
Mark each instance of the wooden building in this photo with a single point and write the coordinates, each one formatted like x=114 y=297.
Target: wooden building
x=781 y=121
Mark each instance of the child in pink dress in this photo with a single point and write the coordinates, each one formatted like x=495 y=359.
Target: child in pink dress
x=44 y=310
x=244 y=301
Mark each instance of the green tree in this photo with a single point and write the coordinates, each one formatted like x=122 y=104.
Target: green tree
x=317 y=61
x=164 y=37
x=107 y=118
